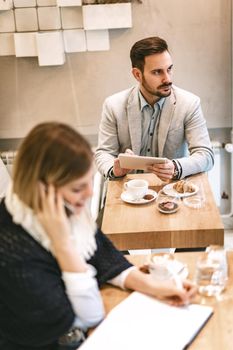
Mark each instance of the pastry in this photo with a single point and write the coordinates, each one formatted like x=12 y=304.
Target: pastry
x=179 y=186
x=189 y=187
x=184 y=187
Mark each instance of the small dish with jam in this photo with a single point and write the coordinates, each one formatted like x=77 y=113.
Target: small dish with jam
x=167 y=204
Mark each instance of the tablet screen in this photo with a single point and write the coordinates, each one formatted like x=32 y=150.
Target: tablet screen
x=138 y=162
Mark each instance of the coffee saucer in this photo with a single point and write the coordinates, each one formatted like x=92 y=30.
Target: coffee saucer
x=125 y=196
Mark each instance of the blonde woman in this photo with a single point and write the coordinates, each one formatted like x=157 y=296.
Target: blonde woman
x=53 y=259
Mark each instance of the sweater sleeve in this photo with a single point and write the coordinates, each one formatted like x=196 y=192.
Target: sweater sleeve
x=84 y=295
x=107 y=260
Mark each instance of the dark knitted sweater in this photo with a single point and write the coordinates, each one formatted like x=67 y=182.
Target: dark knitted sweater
x=34 y=308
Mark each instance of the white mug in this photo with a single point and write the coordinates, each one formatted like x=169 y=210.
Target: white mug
x=136 y=188
x=159 y=266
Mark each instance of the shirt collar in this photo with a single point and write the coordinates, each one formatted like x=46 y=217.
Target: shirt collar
x=144 y=103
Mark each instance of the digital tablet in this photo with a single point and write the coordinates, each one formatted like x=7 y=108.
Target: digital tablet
x=138 y=162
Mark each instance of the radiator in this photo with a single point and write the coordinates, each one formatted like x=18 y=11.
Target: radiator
x=214 y=174
x=8 y=159
x=221 y=179
x=4 y=178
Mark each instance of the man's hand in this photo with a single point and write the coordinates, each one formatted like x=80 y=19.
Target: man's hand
x=164 y=171
x=117 y=170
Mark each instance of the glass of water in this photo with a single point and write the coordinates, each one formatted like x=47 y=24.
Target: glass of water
x=211 y=271
x=198 y=200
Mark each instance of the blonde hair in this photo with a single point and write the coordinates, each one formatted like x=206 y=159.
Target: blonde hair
x=52 y=153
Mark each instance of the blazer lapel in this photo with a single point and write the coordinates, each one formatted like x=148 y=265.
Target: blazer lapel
x=165 y=121
x=134 y=120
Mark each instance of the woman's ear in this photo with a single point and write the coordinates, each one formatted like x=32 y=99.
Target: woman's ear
x=137 y=74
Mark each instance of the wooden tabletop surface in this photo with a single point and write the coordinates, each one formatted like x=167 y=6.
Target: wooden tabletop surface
x=132 y=226
x=217 y=334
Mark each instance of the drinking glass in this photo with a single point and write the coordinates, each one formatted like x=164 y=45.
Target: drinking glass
x=211 y=271
x=198 y=200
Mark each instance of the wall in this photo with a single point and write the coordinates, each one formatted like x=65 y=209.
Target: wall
x=198 y=33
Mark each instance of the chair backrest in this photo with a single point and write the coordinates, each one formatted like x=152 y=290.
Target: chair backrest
x=98 y=195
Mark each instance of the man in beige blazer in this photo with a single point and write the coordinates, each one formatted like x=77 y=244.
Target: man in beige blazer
x=154 y=118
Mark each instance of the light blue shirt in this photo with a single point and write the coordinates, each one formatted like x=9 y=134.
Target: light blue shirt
x=150 y=125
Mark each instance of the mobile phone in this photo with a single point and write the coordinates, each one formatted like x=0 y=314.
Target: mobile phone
x=68 y=208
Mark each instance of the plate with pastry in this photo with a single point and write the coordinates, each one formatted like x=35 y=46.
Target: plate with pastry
x=182 y=188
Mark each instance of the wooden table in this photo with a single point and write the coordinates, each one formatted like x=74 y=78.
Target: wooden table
x=131 y=226
x=218 y=332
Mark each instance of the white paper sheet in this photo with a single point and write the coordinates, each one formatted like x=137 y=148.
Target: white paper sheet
x=141 y=322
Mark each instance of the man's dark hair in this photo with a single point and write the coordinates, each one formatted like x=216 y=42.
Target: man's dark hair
x=146 y=47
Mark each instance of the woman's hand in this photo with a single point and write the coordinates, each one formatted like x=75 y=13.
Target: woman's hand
x=173 y=294
x=166 y=290
x=54 y=220
x=52 y=215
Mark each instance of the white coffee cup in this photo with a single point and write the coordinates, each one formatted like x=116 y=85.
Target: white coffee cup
x=136 y=188
x=159 y=266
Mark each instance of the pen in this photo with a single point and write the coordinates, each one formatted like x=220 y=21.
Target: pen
x=178 y=281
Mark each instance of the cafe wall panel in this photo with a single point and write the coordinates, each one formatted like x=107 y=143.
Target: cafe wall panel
x=24 y=3
x=46 y=2
x=49 y=18
x=74 y=40
x=26 y=19
x=97 y=40
x=25 y=44
x=7 y=46
x=5 y=5
x=71 y=17
x=69 y=2
x=7 y=22
x=107 y=16
x=50 y=48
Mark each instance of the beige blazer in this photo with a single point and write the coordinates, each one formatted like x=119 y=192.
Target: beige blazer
x=182 y=133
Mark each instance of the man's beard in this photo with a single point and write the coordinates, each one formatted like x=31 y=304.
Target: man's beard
x=156 y=92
